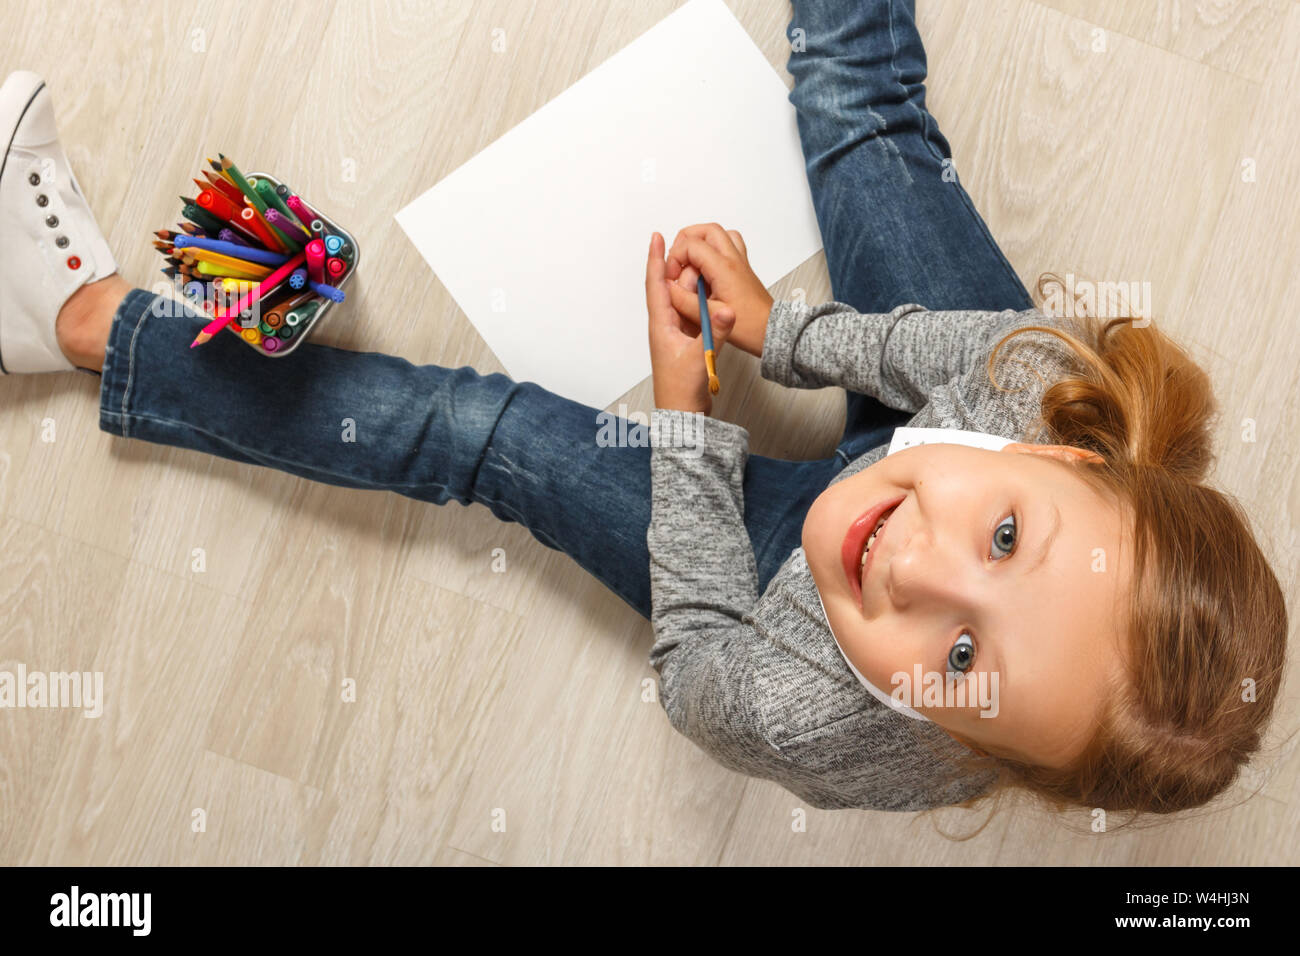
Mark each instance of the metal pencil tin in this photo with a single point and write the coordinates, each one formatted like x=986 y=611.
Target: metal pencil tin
x=333 y=228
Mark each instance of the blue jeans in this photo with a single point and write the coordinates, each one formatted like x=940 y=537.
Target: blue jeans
x=895 y=229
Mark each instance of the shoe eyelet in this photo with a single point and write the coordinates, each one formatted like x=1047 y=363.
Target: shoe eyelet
x=42 y=200
x=74 y=263
x=51 y=221
x=34 y=179
x=61 y=242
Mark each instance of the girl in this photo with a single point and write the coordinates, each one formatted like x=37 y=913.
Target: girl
x=1095 y=604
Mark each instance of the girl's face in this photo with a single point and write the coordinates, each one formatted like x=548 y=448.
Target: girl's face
x=999 y=574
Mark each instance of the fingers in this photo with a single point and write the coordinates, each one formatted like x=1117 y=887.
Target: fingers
x=739 y=243
x=673 y=269
x=709 y=234
x=727 y=242
x=688 y=278
x=687 y=303
x=656 y=288
x=722 y=326
x=655 y=265
x=684 y=275
x=704 y=257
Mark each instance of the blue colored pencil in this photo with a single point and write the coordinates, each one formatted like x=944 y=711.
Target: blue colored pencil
x=248 y=253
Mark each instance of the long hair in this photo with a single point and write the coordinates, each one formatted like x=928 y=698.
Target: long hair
x=1205 y=629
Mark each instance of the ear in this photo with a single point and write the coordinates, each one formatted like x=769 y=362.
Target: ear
x=1066 y=453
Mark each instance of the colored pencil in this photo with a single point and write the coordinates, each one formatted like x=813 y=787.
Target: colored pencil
x=266 y=285
x=254 y=197
x=190 y=256
x=204 y=268
x=248 y=253
x=225 y=185
x=238 y=256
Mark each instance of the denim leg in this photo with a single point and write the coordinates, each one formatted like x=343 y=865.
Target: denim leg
x=372 y=421
x=895 y=221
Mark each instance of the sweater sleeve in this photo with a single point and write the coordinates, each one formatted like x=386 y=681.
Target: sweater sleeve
x=703 y=584
x=896 y=357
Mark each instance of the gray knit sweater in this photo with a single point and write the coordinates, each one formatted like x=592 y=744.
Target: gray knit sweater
x=758 y=682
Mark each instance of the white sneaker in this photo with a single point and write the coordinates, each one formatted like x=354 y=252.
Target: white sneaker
x=51 y=244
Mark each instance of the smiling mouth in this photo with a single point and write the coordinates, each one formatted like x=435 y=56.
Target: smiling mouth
x=866 y=549
x=862 y=537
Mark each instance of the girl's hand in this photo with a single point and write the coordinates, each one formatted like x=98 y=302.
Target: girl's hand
x=720 y=255
x=676 y=348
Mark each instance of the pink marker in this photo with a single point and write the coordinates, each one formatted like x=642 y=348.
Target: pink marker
x=315 y=260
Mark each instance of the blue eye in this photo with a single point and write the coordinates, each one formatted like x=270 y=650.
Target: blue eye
x=1004 y=538
x=962 y=655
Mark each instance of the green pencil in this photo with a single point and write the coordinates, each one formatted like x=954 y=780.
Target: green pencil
x=238 y=178
x=254 y=197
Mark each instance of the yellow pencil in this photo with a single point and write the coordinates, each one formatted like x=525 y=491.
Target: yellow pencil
x=213 y=269
x=243 y=265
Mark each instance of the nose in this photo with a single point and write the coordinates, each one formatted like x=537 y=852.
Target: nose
x=925 y=569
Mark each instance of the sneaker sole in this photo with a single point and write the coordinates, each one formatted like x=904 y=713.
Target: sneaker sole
x=4 y=160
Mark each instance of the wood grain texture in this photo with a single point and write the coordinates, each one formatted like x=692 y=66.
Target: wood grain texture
x=501 y=718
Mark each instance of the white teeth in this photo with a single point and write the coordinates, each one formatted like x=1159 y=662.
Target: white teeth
x=872 y=540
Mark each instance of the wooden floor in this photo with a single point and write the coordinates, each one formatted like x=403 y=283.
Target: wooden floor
x=1121 y=140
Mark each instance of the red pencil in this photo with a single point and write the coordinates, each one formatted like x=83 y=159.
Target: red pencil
x=230 y=190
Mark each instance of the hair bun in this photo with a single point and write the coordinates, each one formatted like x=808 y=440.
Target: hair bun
x=1142 y=401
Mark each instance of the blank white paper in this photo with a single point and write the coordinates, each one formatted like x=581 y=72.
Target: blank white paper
x=542 y=237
